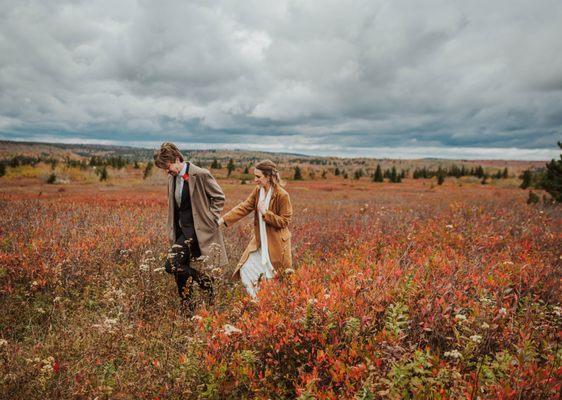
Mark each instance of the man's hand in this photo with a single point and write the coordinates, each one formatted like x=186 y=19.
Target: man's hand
x=220 y=221
x=262 y=208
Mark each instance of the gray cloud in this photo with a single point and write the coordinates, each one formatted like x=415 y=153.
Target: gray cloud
x=317 y=76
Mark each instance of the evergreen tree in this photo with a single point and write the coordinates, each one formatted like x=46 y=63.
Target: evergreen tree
x=505 y=174
x=103 y=174
x=358 y=174
x=230 y=167
x=147 y=170
x=15 y=162
x=440 y=176
x=136 y=166
x=52 y=178
x=479 y=172
x=527 y=179
x=2 y=168
x=377 y=177
x=324 y=172
x=246 y=170
x=393 y=175
x=337 y=172
x=533 y=198
x=552 y=180
x=454 y=171
x=298 y=174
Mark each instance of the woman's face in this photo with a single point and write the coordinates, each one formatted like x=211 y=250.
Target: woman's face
x=259 y=178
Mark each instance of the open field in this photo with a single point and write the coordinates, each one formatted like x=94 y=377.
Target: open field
x=404 y=290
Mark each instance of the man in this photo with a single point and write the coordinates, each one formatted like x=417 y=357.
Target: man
x=195 y=202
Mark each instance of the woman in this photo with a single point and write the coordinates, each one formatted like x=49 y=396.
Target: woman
x=270 y=246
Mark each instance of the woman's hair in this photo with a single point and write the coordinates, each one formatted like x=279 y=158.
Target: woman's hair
x=167 y=155
x=269 y=170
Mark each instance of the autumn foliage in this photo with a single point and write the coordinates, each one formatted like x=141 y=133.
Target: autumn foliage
x=398 y=291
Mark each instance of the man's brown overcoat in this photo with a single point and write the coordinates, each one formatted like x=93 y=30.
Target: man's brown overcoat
x=207 y=201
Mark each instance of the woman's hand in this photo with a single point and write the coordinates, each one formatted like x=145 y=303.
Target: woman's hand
x=220 y=221
x=262 y=208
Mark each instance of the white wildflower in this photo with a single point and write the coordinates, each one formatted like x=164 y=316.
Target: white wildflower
x=449 y=226
x=159 y=269
x=229 y=329
x=502 y=311
x=143 y=267
x=557 y=311
x=3 y=342
x=476 y=338
x=485 y=301
x=196 y=318
x=289 y=271
x=485 y=325
x=460 y=317
x=453 y=354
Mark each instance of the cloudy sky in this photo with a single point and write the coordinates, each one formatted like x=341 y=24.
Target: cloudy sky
x=395 y=78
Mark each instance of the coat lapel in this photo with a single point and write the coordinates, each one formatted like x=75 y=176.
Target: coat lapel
x=193 y=171
x=171 y=191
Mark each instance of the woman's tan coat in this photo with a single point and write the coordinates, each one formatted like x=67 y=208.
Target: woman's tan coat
x=276 y=219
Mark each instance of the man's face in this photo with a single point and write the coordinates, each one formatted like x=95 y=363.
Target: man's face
x=174 y=168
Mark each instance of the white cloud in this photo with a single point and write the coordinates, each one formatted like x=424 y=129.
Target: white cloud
x=356 y=74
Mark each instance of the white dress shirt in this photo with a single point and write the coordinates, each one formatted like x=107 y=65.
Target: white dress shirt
x=179 y=184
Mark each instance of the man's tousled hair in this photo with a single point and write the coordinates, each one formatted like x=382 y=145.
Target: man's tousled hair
x=167 y=155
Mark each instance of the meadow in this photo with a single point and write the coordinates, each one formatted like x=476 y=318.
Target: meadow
x=406 y=290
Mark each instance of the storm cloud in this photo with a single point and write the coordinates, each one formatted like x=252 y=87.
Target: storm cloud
x=403 y=78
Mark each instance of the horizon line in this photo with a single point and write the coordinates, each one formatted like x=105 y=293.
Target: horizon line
x=411 y=153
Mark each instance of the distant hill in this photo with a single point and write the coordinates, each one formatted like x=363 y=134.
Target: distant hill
x=10 y=149
x=205 y=157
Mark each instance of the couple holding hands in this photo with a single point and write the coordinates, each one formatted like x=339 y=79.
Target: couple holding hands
x=195 y=203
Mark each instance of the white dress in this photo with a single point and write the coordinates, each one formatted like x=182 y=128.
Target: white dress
x=258 y=266
x=253 y=272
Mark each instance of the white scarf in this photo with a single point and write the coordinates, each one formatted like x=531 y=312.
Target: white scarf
x=263 y=234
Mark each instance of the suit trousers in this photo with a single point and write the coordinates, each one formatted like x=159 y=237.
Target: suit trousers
x=188 y=241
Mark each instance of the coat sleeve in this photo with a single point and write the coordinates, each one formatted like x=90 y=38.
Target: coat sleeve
x=215 y=195
x=241 y=210
x=282 y=219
